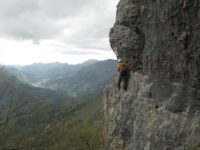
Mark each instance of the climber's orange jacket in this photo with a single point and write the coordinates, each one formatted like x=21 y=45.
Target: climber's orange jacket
x=119 y=67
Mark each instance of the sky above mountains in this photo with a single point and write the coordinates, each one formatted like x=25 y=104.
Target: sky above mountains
x=69 y=31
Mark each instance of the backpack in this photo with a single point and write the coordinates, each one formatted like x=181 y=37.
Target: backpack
x=123 y=70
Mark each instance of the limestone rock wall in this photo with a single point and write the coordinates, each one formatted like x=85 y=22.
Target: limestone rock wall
x=161 y=108
x=137 y=120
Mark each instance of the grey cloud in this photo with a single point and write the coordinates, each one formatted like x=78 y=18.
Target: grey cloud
x=36 y=20
x=91 y=33
x=63 y=8
x=27 y=29
x=13 y=8
x=50 y=8
x=66 y=50
x=75 y=52
x=90 y=43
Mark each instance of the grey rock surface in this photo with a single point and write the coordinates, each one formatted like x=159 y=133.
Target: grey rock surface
x=161 y=108
x=143 y=118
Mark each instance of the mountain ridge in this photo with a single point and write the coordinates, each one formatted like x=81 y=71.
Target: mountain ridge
x=76 y=80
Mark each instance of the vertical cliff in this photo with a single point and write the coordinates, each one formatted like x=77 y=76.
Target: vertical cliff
x=161 y=108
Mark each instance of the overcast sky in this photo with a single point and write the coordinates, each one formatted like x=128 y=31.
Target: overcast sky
x=69 y=31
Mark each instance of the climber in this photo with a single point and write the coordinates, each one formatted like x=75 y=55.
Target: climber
x=123 y=70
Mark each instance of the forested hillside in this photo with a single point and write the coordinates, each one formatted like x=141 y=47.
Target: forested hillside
x=87 y=80
x=33 y=118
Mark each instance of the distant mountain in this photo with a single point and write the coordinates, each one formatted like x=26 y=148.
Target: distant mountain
x=39 y=71
x=49 y=71
x=12 y=88
x=20 y=75
x=90 y=79
x=76 y=80
x=89 y=62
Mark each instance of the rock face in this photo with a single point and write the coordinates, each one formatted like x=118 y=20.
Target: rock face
x=161 y=108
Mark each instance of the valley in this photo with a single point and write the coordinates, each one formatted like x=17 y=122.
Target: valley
x=53 y=106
